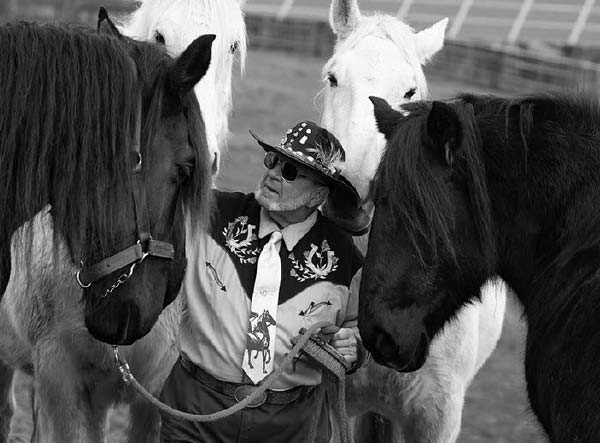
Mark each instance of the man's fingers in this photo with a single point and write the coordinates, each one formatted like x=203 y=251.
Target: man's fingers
x=349 y=342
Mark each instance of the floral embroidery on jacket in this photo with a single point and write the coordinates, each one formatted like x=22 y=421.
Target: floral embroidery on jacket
x=317 y=265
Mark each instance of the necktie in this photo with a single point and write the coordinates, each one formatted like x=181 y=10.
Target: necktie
x=260 y=344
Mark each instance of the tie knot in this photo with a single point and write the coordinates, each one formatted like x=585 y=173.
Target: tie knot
x=275 y=237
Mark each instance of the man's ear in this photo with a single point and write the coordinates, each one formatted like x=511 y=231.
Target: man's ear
x=319 y=196
x=106 y=25
x=444 y=130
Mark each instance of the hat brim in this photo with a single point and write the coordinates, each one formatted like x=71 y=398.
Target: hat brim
x=343 y=187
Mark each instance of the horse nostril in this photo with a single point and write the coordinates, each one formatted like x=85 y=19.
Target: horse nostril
x=215 y=164
x=385 y=345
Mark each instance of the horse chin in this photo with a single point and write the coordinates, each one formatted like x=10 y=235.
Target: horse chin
x=130 y=312
x=387 y=353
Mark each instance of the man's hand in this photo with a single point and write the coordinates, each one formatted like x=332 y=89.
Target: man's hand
x=344 y=341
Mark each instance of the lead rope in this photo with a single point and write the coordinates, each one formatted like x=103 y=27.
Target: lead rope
x=304 y=343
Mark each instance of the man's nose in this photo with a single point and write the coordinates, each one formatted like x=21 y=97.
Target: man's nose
x=275 y=172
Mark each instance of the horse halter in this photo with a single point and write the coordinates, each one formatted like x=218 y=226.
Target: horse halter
x=145 y=246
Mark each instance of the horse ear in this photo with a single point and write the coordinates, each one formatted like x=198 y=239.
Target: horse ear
x=343 y=17
x=386 y=118
x=192 y=65
x=444 y=130
x=430 y=40
x=105 y=24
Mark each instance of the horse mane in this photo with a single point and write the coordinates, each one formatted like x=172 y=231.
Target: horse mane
x=567 y=121
x=51 y=76
x=387 y=28
x=418 y=198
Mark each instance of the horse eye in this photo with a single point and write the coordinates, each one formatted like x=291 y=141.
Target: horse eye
x=159 y=38
x=332 y=80
x=409 y=94
x=184 y=172
x=234 y=47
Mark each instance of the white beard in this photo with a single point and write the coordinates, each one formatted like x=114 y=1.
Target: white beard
x=285 y=205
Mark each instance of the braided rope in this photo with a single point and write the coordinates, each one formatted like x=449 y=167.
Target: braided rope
x=325 y=360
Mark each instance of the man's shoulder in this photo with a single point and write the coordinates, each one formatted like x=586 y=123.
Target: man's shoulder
x=233 y=204
x=334 y=231
x=229 y=199
x=340 y=239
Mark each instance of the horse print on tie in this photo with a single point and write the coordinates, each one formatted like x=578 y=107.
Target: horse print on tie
x=259 y=338
x=489 y=186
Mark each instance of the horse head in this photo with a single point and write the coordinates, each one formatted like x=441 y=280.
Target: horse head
x=118 y=177
x=175 y=24
x=374 y=55
x=170 y=177
x=267 y=319
x=430 y=239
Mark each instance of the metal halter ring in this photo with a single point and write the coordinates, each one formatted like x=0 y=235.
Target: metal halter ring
x=79 y=281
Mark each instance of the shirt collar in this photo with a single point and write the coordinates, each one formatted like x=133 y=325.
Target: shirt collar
x=291 y=234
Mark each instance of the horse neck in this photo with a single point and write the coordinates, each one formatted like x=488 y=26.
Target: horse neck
x=546 y=210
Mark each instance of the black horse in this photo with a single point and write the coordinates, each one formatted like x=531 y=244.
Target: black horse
x=483 y=186
x=108 y=132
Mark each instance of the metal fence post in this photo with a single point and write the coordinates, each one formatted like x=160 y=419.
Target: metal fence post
x=284 y=9
x=461 y=15
x=519 y=21
x=584 y=13
x=403 y=11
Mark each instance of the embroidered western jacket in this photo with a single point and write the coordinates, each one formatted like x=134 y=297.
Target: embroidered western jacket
x=320 y=279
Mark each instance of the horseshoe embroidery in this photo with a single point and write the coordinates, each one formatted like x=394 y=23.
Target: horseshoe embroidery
x=240 y=238
x=318 y=263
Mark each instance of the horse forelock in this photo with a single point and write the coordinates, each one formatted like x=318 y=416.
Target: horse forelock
x=417 y=197
x=387 y=28
x=196 y=192
x=51 y=75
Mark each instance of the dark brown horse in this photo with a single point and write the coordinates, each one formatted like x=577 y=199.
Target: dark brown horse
x=108 y=132
x=486 y=186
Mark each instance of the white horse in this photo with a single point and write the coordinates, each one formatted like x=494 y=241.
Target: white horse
x=175 y=24
x=93 y=380
x=382 y=56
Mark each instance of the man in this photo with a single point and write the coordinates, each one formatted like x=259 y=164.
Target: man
x=270 y=265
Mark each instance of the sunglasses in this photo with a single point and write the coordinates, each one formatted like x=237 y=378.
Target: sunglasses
x=289 y=171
